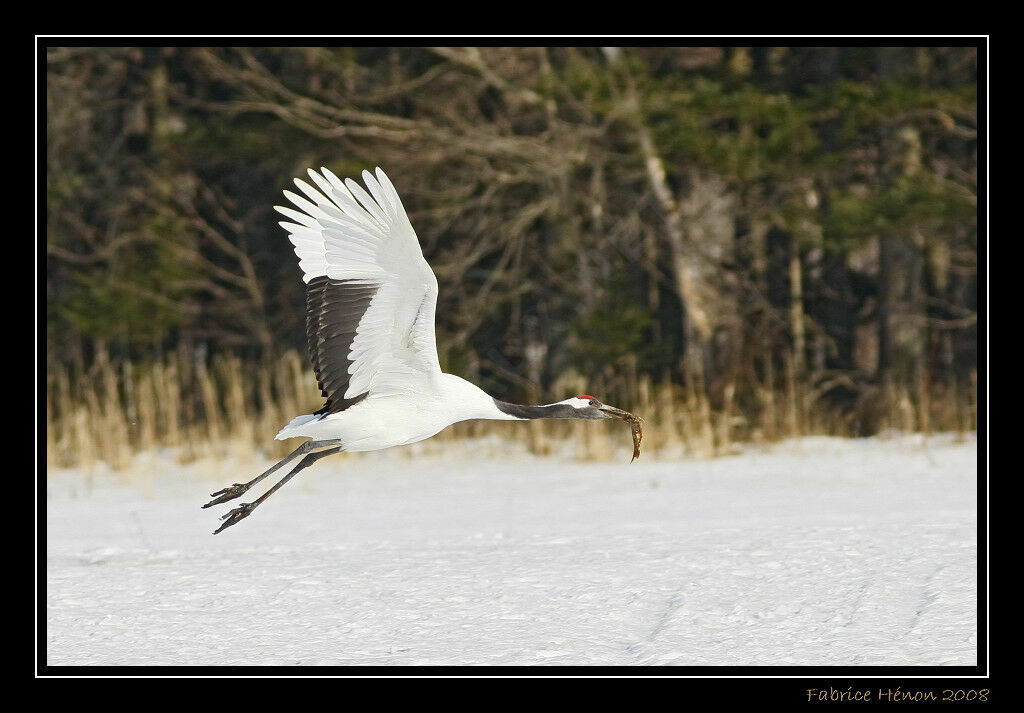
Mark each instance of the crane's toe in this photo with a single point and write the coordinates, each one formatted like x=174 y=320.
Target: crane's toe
x=236 y=490
x=235 y=515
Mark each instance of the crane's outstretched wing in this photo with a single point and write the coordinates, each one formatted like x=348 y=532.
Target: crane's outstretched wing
x=370 y=295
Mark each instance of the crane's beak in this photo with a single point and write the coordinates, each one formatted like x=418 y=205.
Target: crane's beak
x=616 y=412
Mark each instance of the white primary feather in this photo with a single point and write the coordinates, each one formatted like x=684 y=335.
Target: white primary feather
x=345 y=233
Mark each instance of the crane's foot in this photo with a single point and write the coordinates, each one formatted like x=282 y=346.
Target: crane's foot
x=235 y=515
x=235 y=491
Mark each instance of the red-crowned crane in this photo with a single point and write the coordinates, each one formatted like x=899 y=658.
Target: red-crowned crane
x=370 y=299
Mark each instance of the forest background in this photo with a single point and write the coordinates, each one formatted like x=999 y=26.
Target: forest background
x=737 y=243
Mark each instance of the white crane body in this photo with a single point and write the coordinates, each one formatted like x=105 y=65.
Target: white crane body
x=382 y=421
x=370 y=303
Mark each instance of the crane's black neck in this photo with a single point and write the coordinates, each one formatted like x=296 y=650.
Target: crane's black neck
x=549 y=411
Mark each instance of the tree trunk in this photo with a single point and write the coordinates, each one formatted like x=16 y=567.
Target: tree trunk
x=884 y=277
x=796 y=310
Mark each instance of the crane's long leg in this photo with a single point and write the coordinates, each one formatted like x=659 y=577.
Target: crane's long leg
x=242 y=511
x=239 y=489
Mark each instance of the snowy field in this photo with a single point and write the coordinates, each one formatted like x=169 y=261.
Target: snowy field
x=812 y=552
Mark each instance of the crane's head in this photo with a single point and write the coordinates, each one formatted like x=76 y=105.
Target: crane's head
x=589 y=407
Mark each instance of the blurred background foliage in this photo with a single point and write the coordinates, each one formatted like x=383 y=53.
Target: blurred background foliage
x=721 y=218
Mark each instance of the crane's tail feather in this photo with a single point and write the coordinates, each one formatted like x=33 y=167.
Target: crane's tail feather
x=294 y=427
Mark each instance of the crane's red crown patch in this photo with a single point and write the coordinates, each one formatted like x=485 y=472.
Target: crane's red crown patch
x=585 y=396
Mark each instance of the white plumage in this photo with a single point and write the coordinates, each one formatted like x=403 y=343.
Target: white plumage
x=373 y=243
x=348 y=234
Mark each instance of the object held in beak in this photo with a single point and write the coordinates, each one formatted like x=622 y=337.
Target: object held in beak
x=634 y=423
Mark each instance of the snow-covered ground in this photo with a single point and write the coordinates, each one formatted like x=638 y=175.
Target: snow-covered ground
x=812 y=552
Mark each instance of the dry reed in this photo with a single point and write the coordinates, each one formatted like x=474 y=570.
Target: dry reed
x=228 y=407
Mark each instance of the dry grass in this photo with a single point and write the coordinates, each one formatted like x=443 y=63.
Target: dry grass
x=230 y=408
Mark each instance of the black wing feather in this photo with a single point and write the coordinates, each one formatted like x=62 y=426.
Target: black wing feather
x=333 y=311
